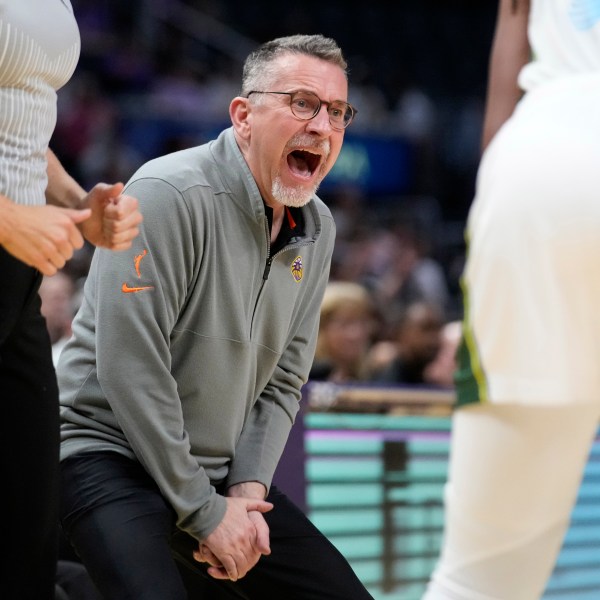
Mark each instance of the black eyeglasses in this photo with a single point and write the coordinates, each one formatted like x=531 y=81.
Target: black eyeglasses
x=306 y=106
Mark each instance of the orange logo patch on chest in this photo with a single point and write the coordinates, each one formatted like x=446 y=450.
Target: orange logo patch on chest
x=126 y=288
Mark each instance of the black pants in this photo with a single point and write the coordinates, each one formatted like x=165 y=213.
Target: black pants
x=124 y=532
x=29 y=434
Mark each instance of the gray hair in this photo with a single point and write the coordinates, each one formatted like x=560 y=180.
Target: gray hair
x=259 y=72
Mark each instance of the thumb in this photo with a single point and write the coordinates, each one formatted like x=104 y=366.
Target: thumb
x=107 y=190
x=115 y=189
x=259 y=505
x=77 y=216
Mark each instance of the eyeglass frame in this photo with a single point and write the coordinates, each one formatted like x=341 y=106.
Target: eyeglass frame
x=353 y=110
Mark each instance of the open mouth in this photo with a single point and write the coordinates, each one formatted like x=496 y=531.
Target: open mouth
x=303 y=163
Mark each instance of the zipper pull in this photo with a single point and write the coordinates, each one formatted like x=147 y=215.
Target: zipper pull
x=267 y=269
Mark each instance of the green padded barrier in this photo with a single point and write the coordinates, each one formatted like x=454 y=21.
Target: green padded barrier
x=375 y=487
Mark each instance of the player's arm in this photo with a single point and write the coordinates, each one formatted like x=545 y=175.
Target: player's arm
x=509 y=53
x=41 y=236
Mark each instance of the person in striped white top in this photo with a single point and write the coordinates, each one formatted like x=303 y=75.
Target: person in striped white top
x=45 y=215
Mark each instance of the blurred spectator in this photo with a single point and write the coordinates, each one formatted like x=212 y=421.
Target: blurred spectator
x=59 y=300
x=412 y=347
x=354 y=228
x=346 y=333
x=402 y=271
x=414 y=117
x=440 y=371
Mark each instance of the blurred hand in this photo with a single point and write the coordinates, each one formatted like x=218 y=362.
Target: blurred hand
x=115 y=218
x=43 y=237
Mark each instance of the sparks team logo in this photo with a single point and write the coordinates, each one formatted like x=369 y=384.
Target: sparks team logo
x=137 y=260
x=127 y=289
x=297 y=269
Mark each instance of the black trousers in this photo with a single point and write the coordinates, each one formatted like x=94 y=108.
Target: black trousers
x=125 y=534
x=29 y=434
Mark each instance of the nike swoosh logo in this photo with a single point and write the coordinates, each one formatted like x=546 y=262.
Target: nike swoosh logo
x=130 y=290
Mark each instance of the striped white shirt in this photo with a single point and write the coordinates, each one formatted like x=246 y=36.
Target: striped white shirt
x=39 y=50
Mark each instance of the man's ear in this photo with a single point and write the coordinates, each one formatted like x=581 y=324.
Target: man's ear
x=240 y=112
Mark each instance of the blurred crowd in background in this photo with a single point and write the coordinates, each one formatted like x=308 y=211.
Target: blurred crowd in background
x=158 y=75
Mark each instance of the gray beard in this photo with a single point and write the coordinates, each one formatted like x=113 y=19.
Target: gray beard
x=289 y=196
